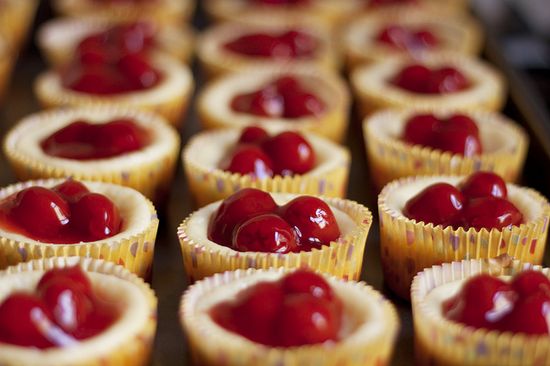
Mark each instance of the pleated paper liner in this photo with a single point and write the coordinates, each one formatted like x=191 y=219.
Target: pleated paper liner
x=59 y=38
x=132 y=248
x=16 y=19
x=169 y=98
x=408 y=247
x=214 y=101
x=149 y=171
x=342 y=258
x=440 y=342
x=173 y=12
x=504 y=142
x=127 y=342
x=373 y=89
x=366 y=345
x=208 y=183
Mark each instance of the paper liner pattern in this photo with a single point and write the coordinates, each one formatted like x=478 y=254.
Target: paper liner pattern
x=135 y=253
x=132 y=350
x=440 y=342
x=16 y=18
x=390 y=159
x=407 y=246
x=212 y=346
x=342 y=258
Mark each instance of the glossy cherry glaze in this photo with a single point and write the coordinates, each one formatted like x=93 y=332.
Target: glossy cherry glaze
x=519 y=306
x=250 y=220
x=288 y=45
x=62 y=310
x=65 y=214
x=484 y=184
x=82 y=140
x=284 y=313
x=282 y=98
x=261 y=155
x=457 y=134
x=420 y=79
x=407 y=39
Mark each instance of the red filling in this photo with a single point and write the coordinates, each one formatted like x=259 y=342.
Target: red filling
x=286 y=153
x=520 y=306
x=68 y=213
x=299 y=309
x=250 y=220
x=407 y=39
x=479 y=202
x=290 y=44
x=457 y=134
x=420 y=79
x=82 y=140
x=282 y=98
x=62 y=310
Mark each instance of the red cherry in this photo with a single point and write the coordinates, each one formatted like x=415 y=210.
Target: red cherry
x=297 y=102
x=132 y=38
x=222 y=314
x=70 y=190
x=250 y=159
x=394 y=35
x=73 y=273
x=413 y=78
x=446 y=80
x=312 y=219
x=484 y=184
x=95 y=79
x=93 y=51
x=259 y=45
x=40 y=211
x=237 y=208
x=266 y=103
x=96 y=216
x=463 y=122
x=305 y=319
x=98 y=321
x=252 y=135
x=529 y=315
x=419 y=129
x=424 y=39
x=138 y=71
x=290 y=153
x=491 y=213
x=438 y=204
x=265 y=233
x=304 y=281
x=481 y=303
x=22 y=323
x=118 y=137
x=529 y=282
x=301 y=44
x=457 y=141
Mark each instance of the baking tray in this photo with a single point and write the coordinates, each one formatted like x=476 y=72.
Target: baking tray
x=169 y=281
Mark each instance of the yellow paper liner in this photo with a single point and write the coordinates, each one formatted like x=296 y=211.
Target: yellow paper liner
x=332 y=123
x=131 y=349
x=212 y=345
x=171 y=104
x=390 y=159
x=151 y=177
x=407 y=246
x=342 y=258
x=16 y=18
x=440 y=342
x=373 y=89
x=134 y=252
x=209 y=184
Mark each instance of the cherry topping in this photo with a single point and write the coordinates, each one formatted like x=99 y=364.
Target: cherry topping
x=312 y=219
x=407 y=39
x=250 y=159
x=457 y=140
x=491 y=213
x=265 y=233
x=70 y=190
x=420 y=79
x=96 y=215
x=290 y=153
x=484 y=184
x=420 y=129
x=138 y=71
x=528 y=282
x=290 y=44
x=265 y=102
x=74 y=273
x=252 y=135
x=304 y=281
x=529 y=315
x=439 y=204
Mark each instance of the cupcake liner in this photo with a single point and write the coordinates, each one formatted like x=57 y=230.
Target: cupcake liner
x=443 y=342
x=342 y=258
x=407 y=246
x=151 y=176
x=390 y=158
x=133 y=350
x=213 y=345
x=169 y=98
x=134 y=252
x=16 y=18
x=208 y=183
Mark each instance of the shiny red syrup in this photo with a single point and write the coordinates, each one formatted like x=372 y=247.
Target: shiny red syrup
x=261 y=155
x=282 y=98
x=407 y=39
x=457 y=134
x=299 y=309
x=62 y=311
x=423 y=80
x=519 y=306
x=82 y=140
x=65 y=214
x=250 y=221
x=290 y=44
x=479 y=202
